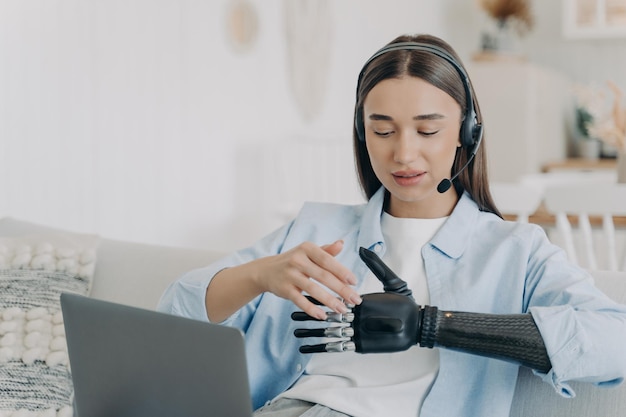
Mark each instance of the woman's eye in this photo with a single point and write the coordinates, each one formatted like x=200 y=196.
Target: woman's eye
x=383 y=134
x=428 y=133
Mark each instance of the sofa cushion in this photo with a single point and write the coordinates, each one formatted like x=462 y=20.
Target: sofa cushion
x=34 y=367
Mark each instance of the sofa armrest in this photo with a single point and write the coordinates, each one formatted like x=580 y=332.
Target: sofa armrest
x=137 y=274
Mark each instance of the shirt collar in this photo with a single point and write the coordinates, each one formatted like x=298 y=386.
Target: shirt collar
x=451 y=239
x=370 y=233
x=454 y=235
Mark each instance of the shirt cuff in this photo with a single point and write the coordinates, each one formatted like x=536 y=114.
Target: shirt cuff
x=566 y=342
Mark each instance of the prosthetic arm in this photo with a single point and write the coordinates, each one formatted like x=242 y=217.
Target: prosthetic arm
x=391 y=322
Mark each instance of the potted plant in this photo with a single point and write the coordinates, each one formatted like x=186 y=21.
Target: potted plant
x=588 y=147
x=513 y=19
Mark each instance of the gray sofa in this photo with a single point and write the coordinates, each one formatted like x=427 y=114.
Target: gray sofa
x=137 y=274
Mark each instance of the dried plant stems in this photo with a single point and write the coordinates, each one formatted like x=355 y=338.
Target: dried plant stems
x=516 y=12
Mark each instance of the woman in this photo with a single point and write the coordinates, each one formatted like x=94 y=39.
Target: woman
x=417 y=131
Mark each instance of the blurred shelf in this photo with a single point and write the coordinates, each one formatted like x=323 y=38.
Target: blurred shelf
x=484 y=56
x=580 y=164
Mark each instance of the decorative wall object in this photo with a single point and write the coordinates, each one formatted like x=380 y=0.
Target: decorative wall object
x=594 y=18
x=242 y=25
x=308 y=30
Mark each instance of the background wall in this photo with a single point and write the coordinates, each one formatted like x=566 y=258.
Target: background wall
x=138 y=120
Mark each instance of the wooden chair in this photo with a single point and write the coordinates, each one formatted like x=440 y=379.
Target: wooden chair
x=516 y=199
x=584 y=201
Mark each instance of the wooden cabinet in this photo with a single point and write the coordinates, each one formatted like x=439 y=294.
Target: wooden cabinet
x=525 y=110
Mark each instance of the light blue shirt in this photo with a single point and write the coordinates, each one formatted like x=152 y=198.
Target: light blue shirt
x=475 y=263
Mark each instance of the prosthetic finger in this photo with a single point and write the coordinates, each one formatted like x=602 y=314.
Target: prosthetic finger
x=342 y=346
x=391 y=282
x=335 y=331
x=331 y=316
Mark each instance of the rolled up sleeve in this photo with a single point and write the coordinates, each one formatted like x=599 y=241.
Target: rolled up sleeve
x=186 y=296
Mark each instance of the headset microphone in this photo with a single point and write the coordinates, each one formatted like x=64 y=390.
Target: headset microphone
x=446 y=183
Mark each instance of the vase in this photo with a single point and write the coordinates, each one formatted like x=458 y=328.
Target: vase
x=500 y=39
x=621 y=166
x=506 y=39
x=589 y=149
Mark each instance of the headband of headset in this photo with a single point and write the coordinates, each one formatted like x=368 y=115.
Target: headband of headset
x=471 y=130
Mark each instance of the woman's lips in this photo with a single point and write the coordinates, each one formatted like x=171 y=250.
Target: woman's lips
x=406 y=178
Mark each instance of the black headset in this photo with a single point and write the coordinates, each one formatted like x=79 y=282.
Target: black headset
x=471 y=129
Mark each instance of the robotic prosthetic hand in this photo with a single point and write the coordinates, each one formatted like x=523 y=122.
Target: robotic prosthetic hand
x=391 y=322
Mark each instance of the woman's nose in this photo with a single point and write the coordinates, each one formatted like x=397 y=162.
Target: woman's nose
x=406 y=148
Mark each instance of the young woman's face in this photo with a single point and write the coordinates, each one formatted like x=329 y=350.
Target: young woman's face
x=412 y=133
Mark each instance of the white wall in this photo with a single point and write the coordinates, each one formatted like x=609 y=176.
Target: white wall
x=135 y=119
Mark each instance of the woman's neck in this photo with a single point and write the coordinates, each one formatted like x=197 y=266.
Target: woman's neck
x=434 y=206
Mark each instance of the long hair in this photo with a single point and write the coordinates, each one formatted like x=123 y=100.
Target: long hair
x=443 y=75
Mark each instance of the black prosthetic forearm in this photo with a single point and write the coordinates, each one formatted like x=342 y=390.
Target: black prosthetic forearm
x=511 y=337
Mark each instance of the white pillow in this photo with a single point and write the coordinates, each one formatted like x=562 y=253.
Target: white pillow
x=35 y=378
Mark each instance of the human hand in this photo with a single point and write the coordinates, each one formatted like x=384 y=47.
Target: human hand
x=308 y=268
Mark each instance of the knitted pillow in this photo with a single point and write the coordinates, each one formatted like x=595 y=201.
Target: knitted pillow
x=35 y=378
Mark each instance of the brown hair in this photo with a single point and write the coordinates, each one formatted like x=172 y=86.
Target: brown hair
x=443 y=75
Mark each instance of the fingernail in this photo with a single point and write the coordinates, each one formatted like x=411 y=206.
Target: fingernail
x=356 y=299
x=341 y=308
x=320 y=314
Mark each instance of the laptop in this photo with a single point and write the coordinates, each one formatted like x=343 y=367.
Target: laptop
x=131 y=362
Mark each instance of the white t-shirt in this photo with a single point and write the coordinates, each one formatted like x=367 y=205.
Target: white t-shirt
x=384 y=384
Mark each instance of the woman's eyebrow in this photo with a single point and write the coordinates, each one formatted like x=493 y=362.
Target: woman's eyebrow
x=376 y=116
x=430 y=116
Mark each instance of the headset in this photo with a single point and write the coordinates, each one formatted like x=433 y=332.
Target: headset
x=471 y=131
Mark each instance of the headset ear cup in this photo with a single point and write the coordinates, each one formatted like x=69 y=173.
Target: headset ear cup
x=469 y=131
